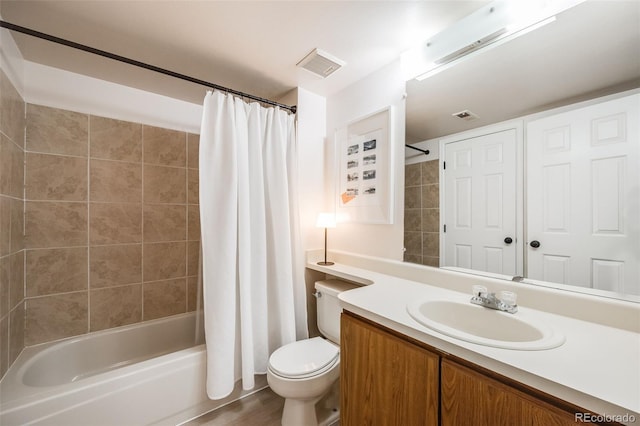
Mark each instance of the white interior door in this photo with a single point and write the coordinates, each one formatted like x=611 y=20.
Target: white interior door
x=480 y=203
x=583 y=191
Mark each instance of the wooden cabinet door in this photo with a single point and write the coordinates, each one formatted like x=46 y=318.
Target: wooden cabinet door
x=471 y=398
x=385 y=380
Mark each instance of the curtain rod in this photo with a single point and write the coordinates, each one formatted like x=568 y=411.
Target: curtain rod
x=424 y=151
x=139 y=64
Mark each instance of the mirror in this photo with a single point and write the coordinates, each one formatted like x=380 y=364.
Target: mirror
x=590 y=51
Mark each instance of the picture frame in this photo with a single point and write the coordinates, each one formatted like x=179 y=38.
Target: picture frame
x=364 y=190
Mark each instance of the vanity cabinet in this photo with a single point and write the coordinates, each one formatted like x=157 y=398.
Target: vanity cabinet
x=471 y=398
x=390 y=379
x=385 y=380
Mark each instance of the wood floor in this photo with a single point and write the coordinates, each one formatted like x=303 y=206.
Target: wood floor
x=263 y=408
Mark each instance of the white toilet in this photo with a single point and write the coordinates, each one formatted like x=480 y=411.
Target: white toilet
x=304 y=372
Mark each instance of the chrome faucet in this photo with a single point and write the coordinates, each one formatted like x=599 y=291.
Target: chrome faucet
x=507 y=302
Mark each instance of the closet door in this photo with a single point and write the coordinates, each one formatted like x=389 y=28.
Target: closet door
x=480 y=203
x=583 y=192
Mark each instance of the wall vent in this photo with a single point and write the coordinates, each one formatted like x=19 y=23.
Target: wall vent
x=321 y=63
x=465 y=115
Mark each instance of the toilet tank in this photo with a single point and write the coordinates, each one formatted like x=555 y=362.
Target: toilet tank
x=329 y=310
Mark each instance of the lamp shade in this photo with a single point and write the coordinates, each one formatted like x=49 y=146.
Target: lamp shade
x=326 y=220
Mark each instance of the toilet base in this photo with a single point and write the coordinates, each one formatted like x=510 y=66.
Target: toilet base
x=323 y=411
x=328 y=408
x=298 y=413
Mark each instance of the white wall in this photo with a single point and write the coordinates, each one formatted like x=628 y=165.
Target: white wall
x=380 y=89
x=58 y=88
x=312 y=127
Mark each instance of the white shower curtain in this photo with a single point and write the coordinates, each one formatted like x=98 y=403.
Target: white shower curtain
x=254 y=291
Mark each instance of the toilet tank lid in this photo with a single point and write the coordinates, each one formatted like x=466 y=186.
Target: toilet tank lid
x=334 y=286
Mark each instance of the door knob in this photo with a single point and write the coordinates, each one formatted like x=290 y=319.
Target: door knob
x=535 y=243
x=508 y=240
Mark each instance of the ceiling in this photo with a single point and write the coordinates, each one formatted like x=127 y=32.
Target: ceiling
x=253 y=46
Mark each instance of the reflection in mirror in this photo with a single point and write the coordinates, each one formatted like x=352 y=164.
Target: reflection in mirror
x=558 y=110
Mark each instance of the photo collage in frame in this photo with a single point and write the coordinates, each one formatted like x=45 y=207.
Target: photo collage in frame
x=365 y=171
x=361 y=165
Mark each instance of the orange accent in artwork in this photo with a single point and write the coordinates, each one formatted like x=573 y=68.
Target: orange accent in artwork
x=346 y=197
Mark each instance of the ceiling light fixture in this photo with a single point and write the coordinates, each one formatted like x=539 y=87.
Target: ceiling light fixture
x=494 y=24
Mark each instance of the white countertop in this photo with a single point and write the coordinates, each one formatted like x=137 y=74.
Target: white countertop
x=597 y=368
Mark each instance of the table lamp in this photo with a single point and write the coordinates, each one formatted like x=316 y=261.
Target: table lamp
x=326 y=220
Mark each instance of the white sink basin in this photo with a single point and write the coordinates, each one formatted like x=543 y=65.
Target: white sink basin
x=484 y=326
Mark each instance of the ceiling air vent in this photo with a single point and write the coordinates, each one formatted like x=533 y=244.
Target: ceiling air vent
x=465 y=115
x=320 y=63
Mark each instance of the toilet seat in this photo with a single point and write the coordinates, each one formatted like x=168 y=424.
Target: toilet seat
x=304 y=358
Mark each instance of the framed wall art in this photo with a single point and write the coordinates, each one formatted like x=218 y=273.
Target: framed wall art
x=364 y=187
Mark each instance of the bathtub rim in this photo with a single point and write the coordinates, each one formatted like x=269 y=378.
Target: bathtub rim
x=14 y=393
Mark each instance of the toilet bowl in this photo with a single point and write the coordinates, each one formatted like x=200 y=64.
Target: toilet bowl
x=306 y=372
x=302 y=373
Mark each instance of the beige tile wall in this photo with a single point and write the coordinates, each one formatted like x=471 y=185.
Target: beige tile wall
x=111 y=223
x=422 y=213
x=12 y=252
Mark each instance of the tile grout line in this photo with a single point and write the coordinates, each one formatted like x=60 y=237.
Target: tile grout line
x=186 y=228
x=142 y=239
x=99 y=202
x=421 y=218
x=41 y=296
x=88 y=223
x=11 y=197
x=107 y=245
x=24 y=229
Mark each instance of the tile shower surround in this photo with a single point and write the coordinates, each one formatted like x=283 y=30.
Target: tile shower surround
x=111 y=223
x=11 y=223
x=422 y=213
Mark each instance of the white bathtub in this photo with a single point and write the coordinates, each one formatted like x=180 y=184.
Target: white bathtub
x=147 y=373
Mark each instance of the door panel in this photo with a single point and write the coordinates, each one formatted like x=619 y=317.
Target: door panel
x=582 y=196
x=607 y=195
x=493 y=201
x=462 y=257
x=557 y=194
x=480 y=203
x=555 y=268
x=493 y=257
x=463 y=203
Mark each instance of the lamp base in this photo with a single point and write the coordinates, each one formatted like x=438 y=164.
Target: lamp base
x=325 y=263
